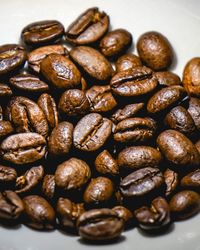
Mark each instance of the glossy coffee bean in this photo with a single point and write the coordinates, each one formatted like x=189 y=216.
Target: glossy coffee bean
x=155 y=50
x=23 y=148
x=91 y=132
x=89 y=27
x=185 y=204
x=60 y=140
x=101 y=98
x=39 y=213
x=5 y=90
x=6 y=128
x=100 y=225
x=191 y=77
x=42 y=32
x=134 y=82
x=125 y=214
x=136 y=157
x=155 y=217
x=72 y=174
x=48 y=186
x=11 y=205
x=192 y=180
x=134 y=130
x=178 y=149
x=171 y=181
x=127 y=61
x=8 y=175
x=92 y=62
x=167 y=78
x=194 y=110
x=12 y=57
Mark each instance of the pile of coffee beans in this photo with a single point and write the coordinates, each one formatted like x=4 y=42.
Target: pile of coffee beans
x=95 y=139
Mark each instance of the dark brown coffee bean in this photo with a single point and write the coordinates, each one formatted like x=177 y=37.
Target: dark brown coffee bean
x=42 y=32
x=171 y=181
x=1 y=113
x=191 y=77
x=60 y=140
x=27 y=116
x=48 y=186
x=155 y=217
x=167 y=78
x=29 y=180
x=194 y=110
x=185 y=204
x=125 y=214
x=165 y=98
x=12 y=57
x=133 y=82
x=101 y=98
x=72 y=174
x=197 y=144
x=128 y=111
x=139 y=157
x=100 y=225
x=178 y=149
x=60 y=71
x=11 y=205
x=89 y=27
x=6 y=128
x=23 y=148
x=74 y=102
x=8 y=175
x=127 y=61
x=141 y=182
x=36 y=56
x=92 y=62
x=180 y=119
x=115 y=42
x=155 y=50
x=48 y=106
x=5 y=90
x=91 y=132
x=106 y=164
x=39 y=213
x=98 y=191
x=68 y=212
x=134 y=130
x=192 y=180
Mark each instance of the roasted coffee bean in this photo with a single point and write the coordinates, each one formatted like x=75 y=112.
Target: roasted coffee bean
x=185 y=204
x=139 y=157
x=101 y=98
x=141 y=182
x=155 y=217
x=115 y=42
x=127 y=61
x=60 y=140
x=12 y=57
x=42 y=32
x=134 y=130
x=60 y=71
x=155 y=50
x=48 y=106
x=99 y=191
x=39 y=213
x=125 y=214
x=1 y=113
x=27 y=116
x=165 y=98
x=74 y=102
x=68 y=212
x=36 y=56
x=106 y=164
x=178 y=149
x=191 y=77
x=167 y=78
x=72 y=174
x=48 y=186
x=133 y=82
x=89 y=27
x=192 y=180
x=29 y=83
x=92 y=62
x=23 y=148
x=180 y=119
x=100 y=225
x=6 y=128
x=8 y=175
x=194 y=110
x=11 y=205
x=171 y=181
x=91 y=132
x=29 y=180
x=5 y=90
x=198 y=145
x=128 y=111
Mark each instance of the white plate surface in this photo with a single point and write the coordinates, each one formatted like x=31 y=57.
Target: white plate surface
x=179 y=21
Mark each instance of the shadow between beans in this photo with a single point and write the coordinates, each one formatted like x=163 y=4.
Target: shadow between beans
x=121 y=239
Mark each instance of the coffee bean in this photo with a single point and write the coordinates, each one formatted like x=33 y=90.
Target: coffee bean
x=171 y=181
x=5 y=90
x=125 y=214
x=194 y=110
x=48 y=186
x=192 y=180
x=1 y=113
x=167 y=78
x=127 y=61
x=6 y=128
x=8 y=175
x=198 y=145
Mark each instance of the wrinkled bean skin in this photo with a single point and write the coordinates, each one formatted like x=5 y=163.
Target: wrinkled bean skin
x=171 y=181
x=100 y=225
x=8 y=175
x=6 y=128
x=192 y=180
x=48 y=186
x=127 y=61
x=5 y=90
x=194 y=110
x=167 y=78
